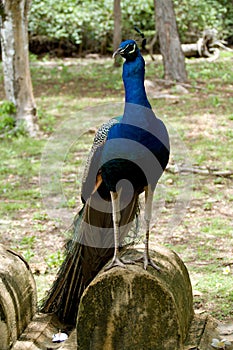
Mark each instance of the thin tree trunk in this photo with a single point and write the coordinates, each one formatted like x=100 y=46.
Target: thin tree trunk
x=15 y=57
x=117 y=26
x=170 y=47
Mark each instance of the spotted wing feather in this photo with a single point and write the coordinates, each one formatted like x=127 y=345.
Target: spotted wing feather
x=93 y=160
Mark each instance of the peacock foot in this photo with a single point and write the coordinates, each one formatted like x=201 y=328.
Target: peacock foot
x=117 y=262
x=147 y=261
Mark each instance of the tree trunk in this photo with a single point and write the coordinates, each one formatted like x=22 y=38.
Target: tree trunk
x=170 y=47
x=117 y=27
x=15 y=57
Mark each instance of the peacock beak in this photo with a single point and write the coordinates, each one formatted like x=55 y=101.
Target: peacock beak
x=119 y=51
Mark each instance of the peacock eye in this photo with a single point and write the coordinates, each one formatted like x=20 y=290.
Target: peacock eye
x=131 y=48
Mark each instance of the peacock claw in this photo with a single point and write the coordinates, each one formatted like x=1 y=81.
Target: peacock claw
x=151 y=263
x=148 y=261
x=117 y=262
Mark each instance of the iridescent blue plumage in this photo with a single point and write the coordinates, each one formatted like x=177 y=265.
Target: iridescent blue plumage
x=133 y=74
x=140 y=134
x=134 y=147
x=133 y=78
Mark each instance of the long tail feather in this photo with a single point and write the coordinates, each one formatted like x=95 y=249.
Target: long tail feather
x=67 y=289
x=90 y=249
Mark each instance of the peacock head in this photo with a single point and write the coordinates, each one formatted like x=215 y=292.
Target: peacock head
x=128 y=49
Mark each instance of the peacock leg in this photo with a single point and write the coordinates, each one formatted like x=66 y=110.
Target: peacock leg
x=148 y=213
x=115 y=198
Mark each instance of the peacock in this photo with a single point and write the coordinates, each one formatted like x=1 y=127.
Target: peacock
x=127 y=158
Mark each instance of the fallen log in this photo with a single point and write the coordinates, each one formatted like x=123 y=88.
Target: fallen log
x=200 y=171
x=207 y=46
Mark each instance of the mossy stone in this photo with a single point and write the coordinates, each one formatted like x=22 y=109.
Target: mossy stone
x=134 y=309
x=17 y=297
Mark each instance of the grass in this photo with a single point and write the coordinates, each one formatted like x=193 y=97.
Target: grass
x=20 y=163
x=194 y=211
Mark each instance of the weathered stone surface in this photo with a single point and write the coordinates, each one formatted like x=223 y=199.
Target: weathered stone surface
x=17 y=297
x=203 y=330
x=39 y=334
x=134 y=309
x=121 y=310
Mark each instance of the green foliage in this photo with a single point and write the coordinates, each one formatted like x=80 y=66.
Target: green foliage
x=193 y=16
x=8 y=126
x=55 y=260
x=71 y=19
x=7 y=120
x=139 y=13
x=7 y=108
x=26 y=246
x=89 y=24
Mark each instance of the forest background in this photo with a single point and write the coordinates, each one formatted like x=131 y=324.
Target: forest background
x=74 y=27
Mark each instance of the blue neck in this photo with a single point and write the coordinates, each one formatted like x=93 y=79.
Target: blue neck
x=133 y=77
